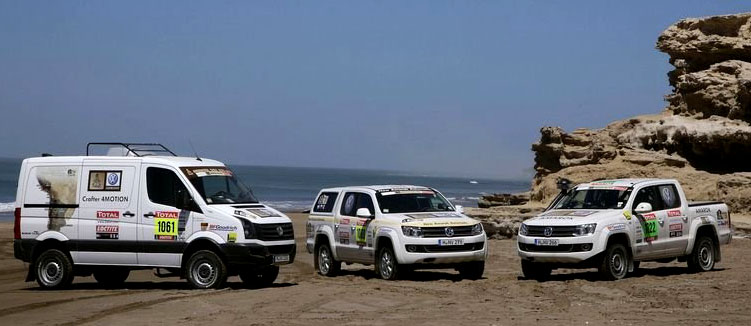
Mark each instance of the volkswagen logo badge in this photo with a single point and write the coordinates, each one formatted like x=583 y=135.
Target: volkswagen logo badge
x=548 y=231
x=279 y=230
x=449 y=232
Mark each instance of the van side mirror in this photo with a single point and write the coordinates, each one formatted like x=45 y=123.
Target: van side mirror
x=643 y=208
x=364 y=212
x=459 y=209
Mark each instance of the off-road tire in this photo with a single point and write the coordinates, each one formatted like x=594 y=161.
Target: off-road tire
x=53 y=269
x=615 y=262
x=386 y=265
x=206 y=270
x=324 y=260
x=702 y=258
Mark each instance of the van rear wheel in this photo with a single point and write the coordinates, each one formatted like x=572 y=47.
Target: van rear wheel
x=206 y=270
x=260 y=278
x=54 y=270
x=112 y=277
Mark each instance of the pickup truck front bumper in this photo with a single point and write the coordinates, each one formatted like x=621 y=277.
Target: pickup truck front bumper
x=570 y=250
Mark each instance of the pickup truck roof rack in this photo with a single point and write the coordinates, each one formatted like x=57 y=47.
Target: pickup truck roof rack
x=137 y=149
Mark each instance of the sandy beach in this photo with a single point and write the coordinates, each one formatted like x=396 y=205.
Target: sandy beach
x=657 y=294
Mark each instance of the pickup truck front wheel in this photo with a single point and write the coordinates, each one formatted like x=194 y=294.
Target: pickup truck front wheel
x=702 y=257
x=325 y=262
x=615 y=262
x=386 y=265
x=535 y=271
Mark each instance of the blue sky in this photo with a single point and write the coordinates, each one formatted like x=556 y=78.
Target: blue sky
x=443 y=87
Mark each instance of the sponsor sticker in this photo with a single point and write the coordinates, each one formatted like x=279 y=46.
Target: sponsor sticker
x=231 y=237
x=650 y=227
x=617 y=227
x=165 y=225
x=627 y=214
x=225 y=228
x=105 y=180
x=204 y=226
x=676 y=230
x=108 y=214
x=108 y=231
x=674 y=213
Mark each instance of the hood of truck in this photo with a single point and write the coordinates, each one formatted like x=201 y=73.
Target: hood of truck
x=256 y=213
x=574 y=217
x=432 y=219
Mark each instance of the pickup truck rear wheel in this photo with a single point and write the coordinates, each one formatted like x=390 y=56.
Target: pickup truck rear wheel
x=535 y=271
x=325 y=262
x=702 y=257
x=206 y=270
x=54 y=270
x=260 y=278
x=615 y=261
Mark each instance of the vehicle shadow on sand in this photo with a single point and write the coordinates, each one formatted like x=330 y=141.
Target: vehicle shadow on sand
x=593 y=276
x=418 y=275
x=168 y=285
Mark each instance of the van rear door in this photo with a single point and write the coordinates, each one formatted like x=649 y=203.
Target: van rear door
x=107 y=214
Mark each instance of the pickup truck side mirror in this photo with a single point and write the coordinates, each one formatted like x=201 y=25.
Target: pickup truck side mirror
x=643 y=208
x=364 y=212
x=459 y=209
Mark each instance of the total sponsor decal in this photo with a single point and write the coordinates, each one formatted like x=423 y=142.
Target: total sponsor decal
x=107 y=231
x=165 y=225
x=674 y=213
x=650 y=226
x=108 y=214
x=676 y=230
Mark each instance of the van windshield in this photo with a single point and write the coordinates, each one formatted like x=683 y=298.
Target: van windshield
x=595 y=199
x=411 y=201
x=218 y=185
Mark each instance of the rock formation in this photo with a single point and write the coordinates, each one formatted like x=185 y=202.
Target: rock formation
x=702 y=138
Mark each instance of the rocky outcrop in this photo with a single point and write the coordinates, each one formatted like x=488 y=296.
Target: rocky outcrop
x=702 y=138
x=502 y=200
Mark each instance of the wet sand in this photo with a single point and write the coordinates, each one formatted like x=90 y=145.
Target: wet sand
x=658 y=294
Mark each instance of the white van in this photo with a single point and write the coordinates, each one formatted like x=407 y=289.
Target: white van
x=142 y=207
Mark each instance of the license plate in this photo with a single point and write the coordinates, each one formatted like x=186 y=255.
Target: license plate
x=450 y=242
x=281 y=259
x=546 y=242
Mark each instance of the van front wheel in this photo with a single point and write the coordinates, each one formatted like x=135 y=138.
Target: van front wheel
x=206 y=270
x=54 y=270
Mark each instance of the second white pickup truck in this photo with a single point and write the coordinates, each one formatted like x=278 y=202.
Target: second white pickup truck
x=615 y=224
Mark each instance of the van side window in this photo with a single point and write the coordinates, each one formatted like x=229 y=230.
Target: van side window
x=164 y=187
x=649 y=195
x=669 y=195
x=325 y=202
x=354 y=201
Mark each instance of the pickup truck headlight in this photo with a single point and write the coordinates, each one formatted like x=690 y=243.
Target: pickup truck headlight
x=523 y=229
x=586 y=229
x=477 y=229
x=412 y=231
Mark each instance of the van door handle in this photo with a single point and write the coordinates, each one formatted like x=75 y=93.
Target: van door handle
x=128 y=214
x=149 y=215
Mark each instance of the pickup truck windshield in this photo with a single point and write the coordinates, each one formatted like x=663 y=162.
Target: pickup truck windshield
x=218 y=185
x=594 y=199
x=412 y=201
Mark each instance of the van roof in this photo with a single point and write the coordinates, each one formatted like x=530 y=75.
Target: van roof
x=175 y=161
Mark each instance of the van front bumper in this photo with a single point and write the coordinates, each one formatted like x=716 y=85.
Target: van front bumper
x=258 y=254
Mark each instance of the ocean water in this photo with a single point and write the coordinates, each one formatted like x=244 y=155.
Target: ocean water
x=294 y=189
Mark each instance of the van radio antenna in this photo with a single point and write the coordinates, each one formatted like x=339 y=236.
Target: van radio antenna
x=194 y=151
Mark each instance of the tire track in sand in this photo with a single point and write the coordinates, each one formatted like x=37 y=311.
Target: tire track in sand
x=44 y=304
x=137 y=305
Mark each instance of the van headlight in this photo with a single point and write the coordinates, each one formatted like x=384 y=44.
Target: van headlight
x=248 y=229
x=477 y=229
x=412 y=231
x=586 y=229
x=523 y=229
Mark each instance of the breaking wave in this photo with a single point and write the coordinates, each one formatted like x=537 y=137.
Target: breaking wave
x=7 y=207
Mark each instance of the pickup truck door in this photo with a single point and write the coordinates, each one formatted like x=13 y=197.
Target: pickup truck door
x=676 y=235
x=351 y=230
x=651 y=228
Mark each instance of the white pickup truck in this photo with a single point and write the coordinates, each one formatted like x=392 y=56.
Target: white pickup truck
x=615 y=224
x=396 y=228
